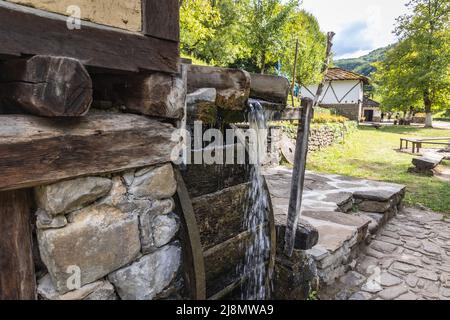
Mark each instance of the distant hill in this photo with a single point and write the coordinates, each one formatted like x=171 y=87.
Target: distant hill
x=363 y=65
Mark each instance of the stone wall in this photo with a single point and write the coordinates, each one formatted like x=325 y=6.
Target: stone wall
x=324 y=135
x=109 y=237
x=350 y=111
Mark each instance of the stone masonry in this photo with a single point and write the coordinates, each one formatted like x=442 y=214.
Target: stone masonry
x=408 y=260
x=110 y=237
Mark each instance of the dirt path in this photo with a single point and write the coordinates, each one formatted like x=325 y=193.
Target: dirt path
x=408 y=260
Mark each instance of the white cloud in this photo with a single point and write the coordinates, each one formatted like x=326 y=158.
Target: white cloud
x=360 y=25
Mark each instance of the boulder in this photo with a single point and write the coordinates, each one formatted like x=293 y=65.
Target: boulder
x=99 y=240
x=149 y=276
x=46 y=221
x=154 y=183
x=428 y=162
x=67 y=196
x=47 y=291
x=157 y=230
x=105 y=292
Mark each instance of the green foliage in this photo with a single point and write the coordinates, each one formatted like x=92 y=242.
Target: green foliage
x=365 y=64
x=255 y=35
x=312 y=48
x=416 y=72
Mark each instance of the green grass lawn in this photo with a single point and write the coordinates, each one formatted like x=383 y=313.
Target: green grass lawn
x=371 y=154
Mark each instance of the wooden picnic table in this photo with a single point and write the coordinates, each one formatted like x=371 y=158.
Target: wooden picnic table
x=417 y=143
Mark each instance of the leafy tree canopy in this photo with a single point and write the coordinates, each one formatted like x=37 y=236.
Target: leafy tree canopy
x=416 y=72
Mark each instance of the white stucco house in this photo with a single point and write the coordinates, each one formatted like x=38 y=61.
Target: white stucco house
x=343 y=91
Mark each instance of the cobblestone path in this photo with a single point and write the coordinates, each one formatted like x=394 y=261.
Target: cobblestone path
x=409 y=259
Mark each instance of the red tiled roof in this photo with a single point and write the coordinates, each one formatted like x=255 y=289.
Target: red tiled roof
x=342 y=74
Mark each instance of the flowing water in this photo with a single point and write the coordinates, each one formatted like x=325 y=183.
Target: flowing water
x=255 y=268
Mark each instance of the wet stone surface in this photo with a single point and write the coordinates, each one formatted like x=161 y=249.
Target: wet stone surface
x=408 y=260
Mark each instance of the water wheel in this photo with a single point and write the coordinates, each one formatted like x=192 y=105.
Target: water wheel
x=215 y=200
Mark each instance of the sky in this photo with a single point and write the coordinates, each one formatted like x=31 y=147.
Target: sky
x=360 y=25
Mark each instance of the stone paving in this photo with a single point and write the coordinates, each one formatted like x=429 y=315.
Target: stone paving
x=409 y=259
x=345 y=211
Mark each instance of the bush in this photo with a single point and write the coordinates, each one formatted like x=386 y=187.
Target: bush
x=328 y=118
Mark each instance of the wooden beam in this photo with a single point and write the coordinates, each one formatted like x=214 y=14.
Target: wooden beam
x=194 y=270
x=46 y=86
x=232 y=85
x=36 y=151
x=269 y=88
x=17 y=278
x=287 y=114
x=28 y=31
x=298 y=176
x=161 y=19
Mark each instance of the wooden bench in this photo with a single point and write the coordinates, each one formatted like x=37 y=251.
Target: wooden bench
x=418 y=143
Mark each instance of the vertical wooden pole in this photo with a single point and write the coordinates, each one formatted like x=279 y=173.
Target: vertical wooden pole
x=326 y=63
x=301 y=153
x=298 y=175
x=17 y=278
x=294 y=73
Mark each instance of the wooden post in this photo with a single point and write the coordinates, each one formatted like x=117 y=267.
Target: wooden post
x=17 y=279
x=294 y=73
x=46 y=86
x=301 y=152
x=330 y=37
x=298 y=175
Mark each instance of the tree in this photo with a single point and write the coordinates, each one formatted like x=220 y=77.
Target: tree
x=416 y=71
x=312 y=46
x=265 y=23
x=198 y=20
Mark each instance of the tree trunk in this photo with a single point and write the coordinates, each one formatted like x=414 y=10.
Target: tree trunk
x=263 y=62
x=429 y=115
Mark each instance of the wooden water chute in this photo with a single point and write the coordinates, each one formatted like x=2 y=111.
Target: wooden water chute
x=220 y=192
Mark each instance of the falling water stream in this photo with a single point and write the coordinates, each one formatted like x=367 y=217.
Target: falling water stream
x=255 y=268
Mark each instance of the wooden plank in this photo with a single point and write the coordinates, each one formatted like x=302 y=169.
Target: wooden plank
x=221 y=215
x=35 y=151
x=46 y=86
x=161 y=19
x=202 y=179
x=28 y=31
x=194 y=265
x=124 y=14
x=17 y=279
x=288 y=114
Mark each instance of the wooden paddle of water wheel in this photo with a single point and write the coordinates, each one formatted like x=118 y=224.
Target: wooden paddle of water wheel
x=214 y=209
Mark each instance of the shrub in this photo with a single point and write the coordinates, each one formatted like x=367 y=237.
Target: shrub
x=328 y=118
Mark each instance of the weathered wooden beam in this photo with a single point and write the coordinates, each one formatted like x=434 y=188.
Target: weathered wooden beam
x=298 y=176
x=35 y=151
x=232 y=85
x=17 y=279
x=124 y=14
x=194 y=264
x=287 y=114
x=46 y=86
x=161 y=19
x=225 y=218
x=28 y=31
x=269 y=88
x=154 y=94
